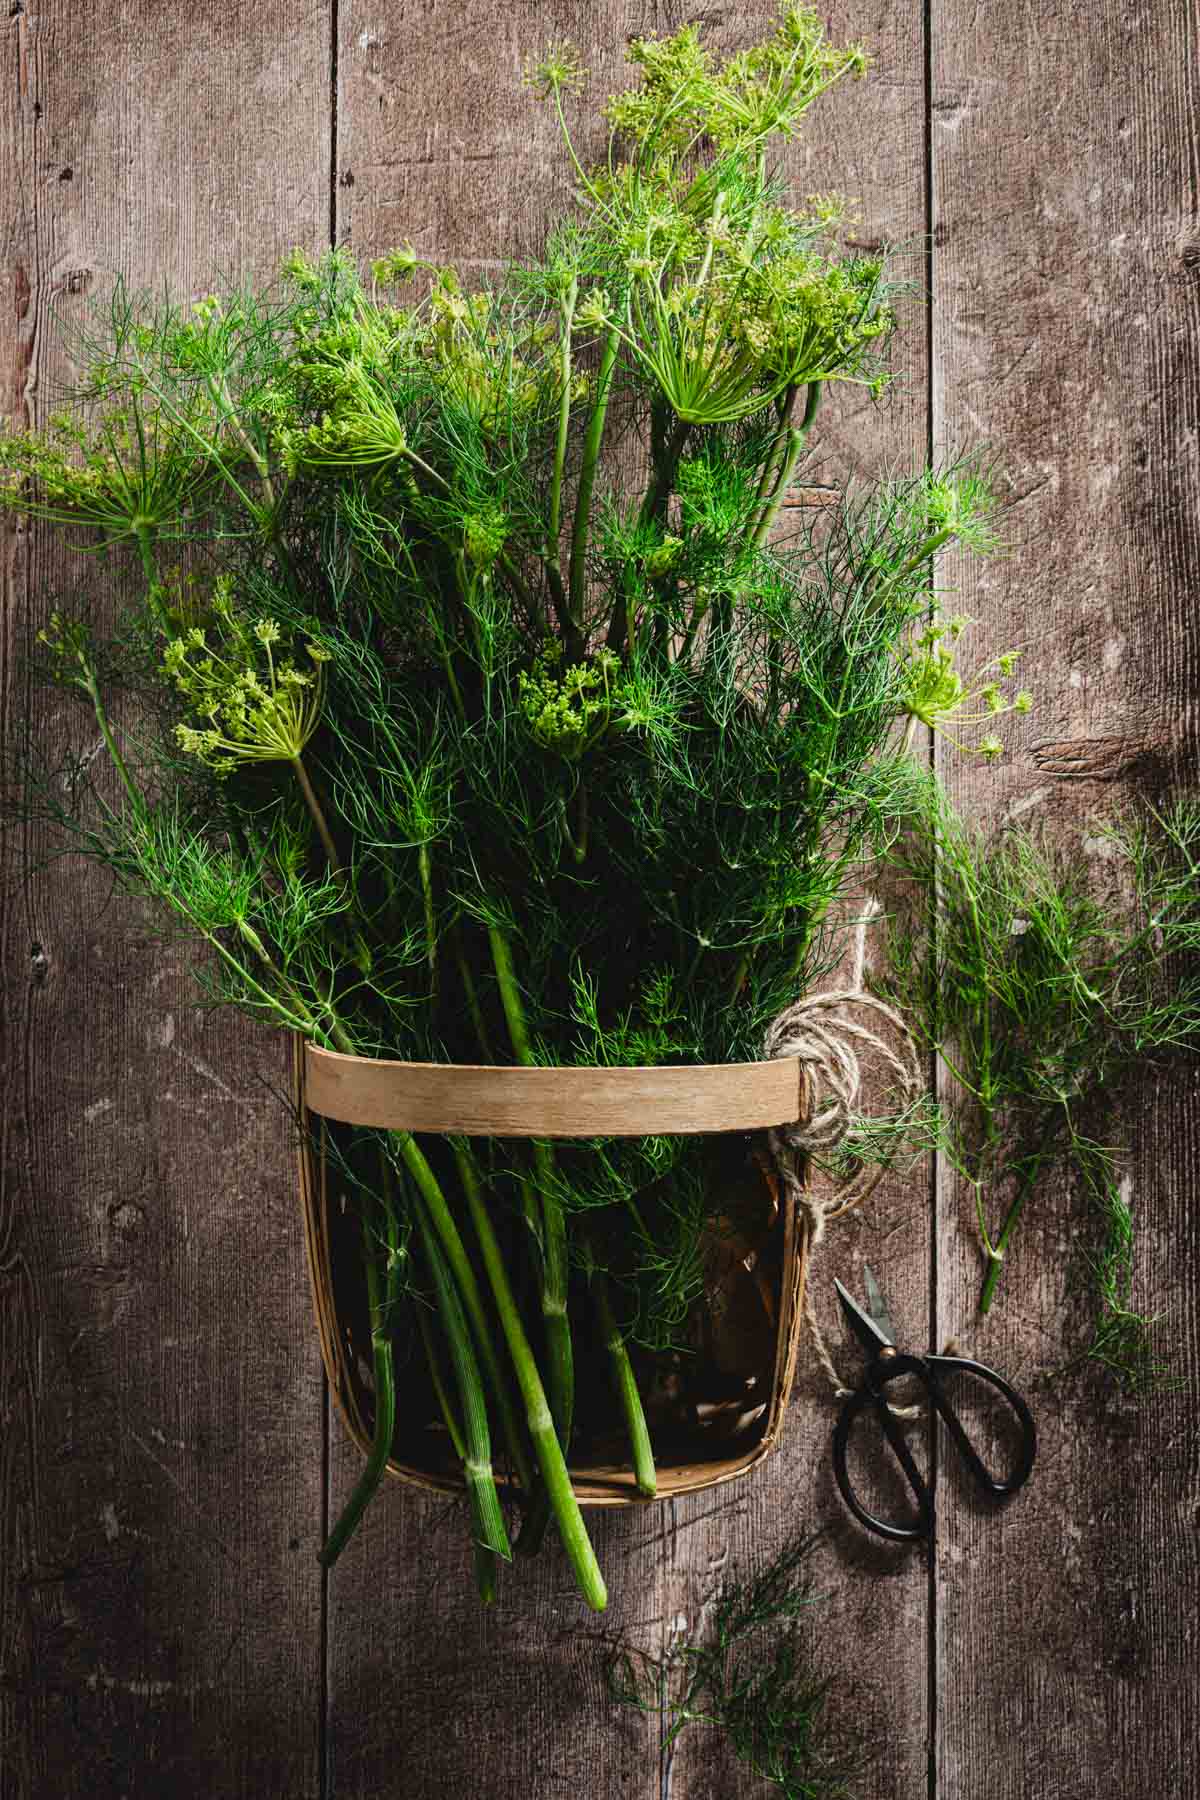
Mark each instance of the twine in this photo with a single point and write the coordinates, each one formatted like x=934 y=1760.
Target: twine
x=821 y=1032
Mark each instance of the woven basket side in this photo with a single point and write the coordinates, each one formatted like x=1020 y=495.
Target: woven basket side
x=594 y=1486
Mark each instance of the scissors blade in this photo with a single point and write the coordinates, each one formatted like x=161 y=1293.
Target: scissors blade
x=861 y=1324
x=877 y=1305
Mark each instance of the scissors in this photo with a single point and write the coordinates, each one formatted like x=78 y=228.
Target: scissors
x=875 y=1332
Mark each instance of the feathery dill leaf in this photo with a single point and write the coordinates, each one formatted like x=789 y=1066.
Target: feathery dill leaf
x=1048 y=1000
x=752 y=1677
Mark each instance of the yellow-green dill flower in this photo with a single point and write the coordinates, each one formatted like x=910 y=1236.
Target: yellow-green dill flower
x=68 y=644
x=593 y=311
x=558 y=70
x=568 y=711
x=130 y=470
x=484 y=536
x=297 y=268
x=662 y=559
x=936 y=695
x=396 y=266
x=252 y=705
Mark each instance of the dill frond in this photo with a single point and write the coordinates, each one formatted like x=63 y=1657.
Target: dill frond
x=751 y=1677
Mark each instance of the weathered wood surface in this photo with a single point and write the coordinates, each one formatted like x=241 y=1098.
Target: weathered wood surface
x=162 y=1626
x=161 y=1410
x=1066 y=276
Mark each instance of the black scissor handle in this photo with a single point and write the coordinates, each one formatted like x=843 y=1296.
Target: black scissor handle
x=962 y=1443
x=927 y=1370
x=872 y=1394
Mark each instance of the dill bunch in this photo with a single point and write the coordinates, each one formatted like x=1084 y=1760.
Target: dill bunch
x=1048 y=1001
x=751 y=1677
x=467 y=704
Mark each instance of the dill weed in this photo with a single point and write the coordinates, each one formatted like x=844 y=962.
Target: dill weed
x=451 y=738
x=752 y=1677
x=1048 y=1001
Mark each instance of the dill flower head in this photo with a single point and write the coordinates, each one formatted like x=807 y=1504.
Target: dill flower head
x=592 y=312
x=484 y=535
x=686 y=95
x=395 y=266
x=70 y=657
x=249 y=702
x=568 y=709
x=936 y=695
x=558 y=70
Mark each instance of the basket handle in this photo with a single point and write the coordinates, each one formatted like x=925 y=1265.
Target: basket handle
x=486 y=1100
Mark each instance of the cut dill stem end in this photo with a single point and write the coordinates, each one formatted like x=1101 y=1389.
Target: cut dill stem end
x=380 y=1301
x=626 y=1387
x=547 y=1448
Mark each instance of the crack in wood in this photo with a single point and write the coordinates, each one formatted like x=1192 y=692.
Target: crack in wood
x=1090 y=759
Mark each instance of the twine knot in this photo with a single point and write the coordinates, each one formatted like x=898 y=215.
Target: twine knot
x=828 y=1035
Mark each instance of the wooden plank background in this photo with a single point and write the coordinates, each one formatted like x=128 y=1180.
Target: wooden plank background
x=167 y=1459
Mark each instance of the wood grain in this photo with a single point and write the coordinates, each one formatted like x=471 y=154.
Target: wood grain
x=1067 y=338
x=160 y=1399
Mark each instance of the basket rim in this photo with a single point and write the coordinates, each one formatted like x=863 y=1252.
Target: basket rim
x=580 y=1100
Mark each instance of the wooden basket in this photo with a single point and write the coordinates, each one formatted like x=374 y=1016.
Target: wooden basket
x=543 y=1103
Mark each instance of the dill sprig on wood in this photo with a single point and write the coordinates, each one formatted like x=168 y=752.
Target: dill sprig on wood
x=1049 y=995
x=752 y=1677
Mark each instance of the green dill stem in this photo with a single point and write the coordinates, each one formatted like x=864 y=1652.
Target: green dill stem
x=222 y=395
x=793 y=443
x=666 y=454
x=470 y=992
x=583 y=496
x=486 y=1518
x=579 y=843
x=442 y=1220
x=437 y=1375
x=423 y=865
x=319 y=820
x=554 y=1300
x=145 y=538
x=984 y=1016
x=929 y=548
x=555 y=1273
x=554 y=529
x=299 y=1020
x=206 y=444
x=337 y=872
x=549 y=1452
x=741 y=970
x=699 y=611
x=1032 y=1170
x=92 y=688
x=627 y=1389
x=379 y=1302
x=665 y=470
x=766 y=480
